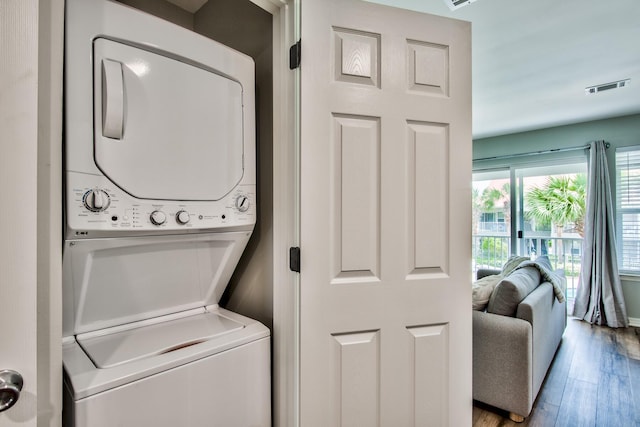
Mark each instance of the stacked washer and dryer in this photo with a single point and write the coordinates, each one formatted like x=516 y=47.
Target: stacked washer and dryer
x=160 y=189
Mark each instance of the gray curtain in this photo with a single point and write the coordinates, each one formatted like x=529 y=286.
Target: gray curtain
x=599 y=298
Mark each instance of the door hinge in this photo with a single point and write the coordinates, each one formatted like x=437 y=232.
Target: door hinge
x=519 y=234
x=294 y=55
x=294 y=259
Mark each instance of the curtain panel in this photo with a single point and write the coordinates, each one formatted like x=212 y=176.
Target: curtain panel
x=599 y=298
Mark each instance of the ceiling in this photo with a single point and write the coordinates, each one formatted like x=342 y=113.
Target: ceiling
x=533 y=59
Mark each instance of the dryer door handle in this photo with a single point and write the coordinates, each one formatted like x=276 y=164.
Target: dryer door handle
x=112 y=99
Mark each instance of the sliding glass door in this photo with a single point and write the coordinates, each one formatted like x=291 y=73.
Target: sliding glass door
x=530 y=210
x=491 y=216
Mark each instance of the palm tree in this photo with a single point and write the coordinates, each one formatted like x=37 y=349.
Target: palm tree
x=560 y=201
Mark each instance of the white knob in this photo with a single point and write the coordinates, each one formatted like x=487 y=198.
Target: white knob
x=182 y=217
x=96 y=200
x=242 y=203
x=158 y=217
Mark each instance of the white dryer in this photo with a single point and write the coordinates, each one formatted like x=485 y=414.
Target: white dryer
x=160 y=203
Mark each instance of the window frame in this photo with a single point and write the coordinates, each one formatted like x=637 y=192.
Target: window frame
x=634 y=268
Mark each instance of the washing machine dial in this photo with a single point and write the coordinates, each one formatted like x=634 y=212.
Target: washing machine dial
x=182 y=217
x=242 y=203
x=96 y=200
x=158 y=217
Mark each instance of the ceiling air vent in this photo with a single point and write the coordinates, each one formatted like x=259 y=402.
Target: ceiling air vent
x=606 y=86
x=455 y=4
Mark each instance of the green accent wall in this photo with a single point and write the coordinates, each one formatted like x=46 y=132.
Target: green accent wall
x=619 y=132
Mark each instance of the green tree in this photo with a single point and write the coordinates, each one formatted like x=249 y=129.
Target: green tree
x=561 y=201
x=490 y=198
x=495 y=248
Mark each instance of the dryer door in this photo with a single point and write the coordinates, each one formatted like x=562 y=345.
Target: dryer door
x=165 y=129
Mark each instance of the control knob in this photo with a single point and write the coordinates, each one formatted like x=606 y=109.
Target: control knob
x=182 y=217
x=158 y=218
x=242 y=203
x=96 y=200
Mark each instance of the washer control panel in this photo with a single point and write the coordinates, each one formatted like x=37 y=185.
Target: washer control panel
x=105 y=207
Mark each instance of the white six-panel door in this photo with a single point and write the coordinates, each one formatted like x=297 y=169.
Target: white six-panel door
x=385 y=316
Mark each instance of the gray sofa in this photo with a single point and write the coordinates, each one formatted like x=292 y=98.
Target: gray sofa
x=513 y=351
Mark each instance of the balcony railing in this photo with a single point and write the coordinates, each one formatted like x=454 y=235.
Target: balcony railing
x=492 y=251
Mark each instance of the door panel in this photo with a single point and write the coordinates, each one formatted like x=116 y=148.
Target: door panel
x=357 y=383
x=385 y=319
x=428 y=68
x=356 y=194
x=428 y=187
x=430 y=374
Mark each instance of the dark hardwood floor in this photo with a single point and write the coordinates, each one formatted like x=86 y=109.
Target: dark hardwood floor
x=594 y=381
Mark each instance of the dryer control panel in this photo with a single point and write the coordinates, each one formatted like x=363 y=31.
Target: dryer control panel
x=105 y=207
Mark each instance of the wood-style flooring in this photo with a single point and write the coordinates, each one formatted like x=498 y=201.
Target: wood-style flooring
x=594 y=381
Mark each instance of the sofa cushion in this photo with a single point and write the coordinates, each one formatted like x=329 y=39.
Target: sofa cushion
x=512 y=289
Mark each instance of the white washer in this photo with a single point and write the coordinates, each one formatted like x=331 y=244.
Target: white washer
x=160 y=204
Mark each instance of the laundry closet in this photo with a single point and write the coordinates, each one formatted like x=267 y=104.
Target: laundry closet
x=357 y=263
x=161 y=200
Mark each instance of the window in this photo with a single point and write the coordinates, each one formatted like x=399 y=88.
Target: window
x=511 y=215
x=628 y=208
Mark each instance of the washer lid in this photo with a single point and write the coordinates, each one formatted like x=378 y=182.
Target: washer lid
x=165 y=129
x=126 y=346
x=111 y=282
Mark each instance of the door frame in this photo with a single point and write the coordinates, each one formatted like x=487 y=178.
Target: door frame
x=49 y=284
x=285 y=215
x=286 y=184
x=40 y=130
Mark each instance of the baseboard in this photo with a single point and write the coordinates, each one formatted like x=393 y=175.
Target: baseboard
x=634 y=321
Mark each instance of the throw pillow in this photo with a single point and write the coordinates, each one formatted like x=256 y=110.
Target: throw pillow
x=512 y=289
x=482 y=289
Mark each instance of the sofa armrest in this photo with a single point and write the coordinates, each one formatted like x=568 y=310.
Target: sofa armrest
x=483 y=272
x=548 y=319
x=502 y=365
